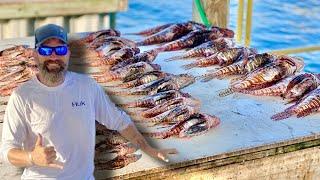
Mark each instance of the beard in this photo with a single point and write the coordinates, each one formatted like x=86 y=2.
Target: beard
x=53 y=70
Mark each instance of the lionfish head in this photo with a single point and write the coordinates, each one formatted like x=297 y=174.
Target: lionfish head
x=152 y=54
x=225 y=42
x=227 y=32
x=291 y=62
x=211 y=120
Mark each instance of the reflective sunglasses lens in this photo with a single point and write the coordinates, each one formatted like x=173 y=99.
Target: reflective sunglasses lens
x=45 y=51
x=61 y=50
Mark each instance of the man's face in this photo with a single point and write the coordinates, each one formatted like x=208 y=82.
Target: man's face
x=52 y=67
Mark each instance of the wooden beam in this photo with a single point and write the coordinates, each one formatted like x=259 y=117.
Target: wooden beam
x=307 y=147
x=46 y=8
x=217 y=12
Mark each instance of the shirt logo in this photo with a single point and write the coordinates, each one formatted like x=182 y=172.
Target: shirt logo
x=76 y=104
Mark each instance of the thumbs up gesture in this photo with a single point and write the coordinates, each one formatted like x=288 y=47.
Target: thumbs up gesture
x=44 y=156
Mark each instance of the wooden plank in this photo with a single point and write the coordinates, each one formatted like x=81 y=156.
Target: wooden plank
x=303 y=164
x=26 y=9
x=235 y=159
x=84 y=23
x=59 y=20
x=217 y=12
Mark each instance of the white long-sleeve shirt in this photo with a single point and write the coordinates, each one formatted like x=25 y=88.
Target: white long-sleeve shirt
x=65 y=116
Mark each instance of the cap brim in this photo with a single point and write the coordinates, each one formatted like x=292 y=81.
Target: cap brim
x=57 y=37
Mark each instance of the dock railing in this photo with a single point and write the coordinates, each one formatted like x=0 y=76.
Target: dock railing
x=248 y=23
x=19 y=18
x=217 y=12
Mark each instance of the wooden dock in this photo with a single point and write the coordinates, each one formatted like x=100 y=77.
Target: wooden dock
x=246 y=145
x=19 y=18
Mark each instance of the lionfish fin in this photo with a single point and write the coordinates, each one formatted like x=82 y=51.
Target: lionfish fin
x=157 y=135
x=226 y=92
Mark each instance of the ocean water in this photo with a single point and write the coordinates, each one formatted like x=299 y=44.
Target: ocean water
x=275 y=25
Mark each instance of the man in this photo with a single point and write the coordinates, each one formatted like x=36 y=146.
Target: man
x=49 y=124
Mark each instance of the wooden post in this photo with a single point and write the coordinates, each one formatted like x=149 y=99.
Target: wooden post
x=217 y=12
x=104 y=21
x=247 y=39
x=112 y=20
x=240 y=21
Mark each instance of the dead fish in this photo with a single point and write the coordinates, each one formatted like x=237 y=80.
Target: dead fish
x=277 y=89
x=206 y=49
x=168 y=105
x=118 y=162
x=122 y=73
x=254 y=62
x=147 y=56
x=152 y=30
x=194 y=125
x=266 y=76
x=164 y=84
x=170 y=33
x=300 y=85
x=143 y=79
x=100 y=34
x=304 y=107
x=172 y=116
x=191 y=39
x=153 y=100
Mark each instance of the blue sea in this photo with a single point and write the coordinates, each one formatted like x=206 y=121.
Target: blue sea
x=275 y=25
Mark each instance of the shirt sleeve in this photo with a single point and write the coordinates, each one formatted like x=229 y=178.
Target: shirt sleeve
x=14 y=127
x=108 y=114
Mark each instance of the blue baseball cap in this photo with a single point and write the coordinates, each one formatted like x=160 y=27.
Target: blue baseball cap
x=48 y=31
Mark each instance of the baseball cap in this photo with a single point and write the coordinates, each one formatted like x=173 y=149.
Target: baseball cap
x=49 y=31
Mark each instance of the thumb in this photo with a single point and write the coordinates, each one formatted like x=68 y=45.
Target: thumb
x=39 y=140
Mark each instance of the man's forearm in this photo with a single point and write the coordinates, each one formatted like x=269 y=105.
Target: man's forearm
x=19 y=157
x=133 y=135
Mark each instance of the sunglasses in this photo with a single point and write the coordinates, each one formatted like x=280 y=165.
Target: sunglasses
x=47 y=51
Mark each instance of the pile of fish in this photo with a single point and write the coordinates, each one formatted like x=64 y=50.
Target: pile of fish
x=258 y=74
x=112 y=151
x=17 y=66
x=138 y=86
x=270 y=75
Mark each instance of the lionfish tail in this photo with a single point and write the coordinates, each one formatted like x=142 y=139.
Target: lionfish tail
x=133 y=34
x=118 y=93
x=173 y=58
x=127 y=105
x=226 y=92
x=140 y=43
x=206 y=77
x=281 y=116
x=188 y=66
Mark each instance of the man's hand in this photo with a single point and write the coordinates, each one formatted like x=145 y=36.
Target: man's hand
x=44 y=156
x=132 y=134
x=162 y=153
